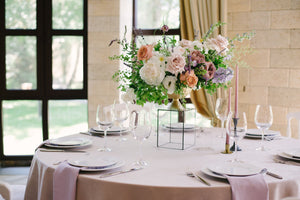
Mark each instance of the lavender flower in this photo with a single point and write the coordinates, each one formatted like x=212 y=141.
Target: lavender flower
x=223 y=75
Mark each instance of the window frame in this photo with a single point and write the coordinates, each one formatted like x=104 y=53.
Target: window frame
x=44 y=91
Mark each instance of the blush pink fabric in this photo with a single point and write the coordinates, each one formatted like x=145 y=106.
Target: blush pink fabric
x=64 y=182
x=249 y=187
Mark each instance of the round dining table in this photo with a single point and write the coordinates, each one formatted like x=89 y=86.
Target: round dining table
x=165 y=175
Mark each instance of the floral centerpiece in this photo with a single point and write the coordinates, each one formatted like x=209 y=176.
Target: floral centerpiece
x=169 y=67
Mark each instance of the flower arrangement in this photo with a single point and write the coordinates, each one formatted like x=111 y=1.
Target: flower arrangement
x=168 y=66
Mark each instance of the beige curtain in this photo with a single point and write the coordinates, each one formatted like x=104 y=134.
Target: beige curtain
x=196 y=16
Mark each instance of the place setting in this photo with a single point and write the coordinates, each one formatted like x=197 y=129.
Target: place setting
x=95 y=163
x=65 y=144
x=178 y=127
x=257 y=134
x=289 y=156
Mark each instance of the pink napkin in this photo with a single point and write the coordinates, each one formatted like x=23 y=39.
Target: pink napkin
x=64 y=182
x=249 y=187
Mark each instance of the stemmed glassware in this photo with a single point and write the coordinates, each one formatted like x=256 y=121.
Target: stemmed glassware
x=104 y=119
x=237 y=135
x=140 y=123
x=263 y=119
x=120 y=115
x=221 y=111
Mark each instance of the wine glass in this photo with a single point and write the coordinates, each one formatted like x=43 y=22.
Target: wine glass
x=263 y=119
x=120 y=115
x=238 y=134
x=140 y=124
x=104 y=119
x=221 y=111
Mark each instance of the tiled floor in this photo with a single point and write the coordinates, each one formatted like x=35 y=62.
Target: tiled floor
x=14 y=175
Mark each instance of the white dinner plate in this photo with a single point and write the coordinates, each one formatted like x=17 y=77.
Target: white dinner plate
x=293 y=152
x=283 y=155
x=113 y=131
x=89 y=142
x=179 y=126
x=210 y=173
x=257 y=132
x=100 y=162
x=235 y=169
x=66 y=141
x=96 y=169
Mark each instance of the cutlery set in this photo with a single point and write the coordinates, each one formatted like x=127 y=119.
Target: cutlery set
x=201 y=179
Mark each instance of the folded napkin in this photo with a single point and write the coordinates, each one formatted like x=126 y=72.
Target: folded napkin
x=249 y=187
x=64 y=182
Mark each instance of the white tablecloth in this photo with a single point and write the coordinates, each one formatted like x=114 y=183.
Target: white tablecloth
x=165 y=177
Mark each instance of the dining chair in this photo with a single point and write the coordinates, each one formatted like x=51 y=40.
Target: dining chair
x=11 y=192
x=290 y=116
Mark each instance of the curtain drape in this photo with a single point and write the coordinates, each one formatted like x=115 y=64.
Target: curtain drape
x=196 y=17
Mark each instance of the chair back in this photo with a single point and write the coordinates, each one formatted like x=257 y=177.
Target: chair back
x=290 y=116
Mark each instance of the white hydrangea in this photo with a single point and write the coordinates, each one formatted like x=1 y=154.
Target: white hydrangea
x=198 y=44
x=129 y=95
x=169 y=83
x=152 y=72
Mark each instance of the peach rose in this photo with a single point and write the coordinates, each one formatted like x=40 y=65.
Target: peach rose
x=145 y=52
x=189 y=78
x=210 y=70
x=175 y=64
x=197 y=56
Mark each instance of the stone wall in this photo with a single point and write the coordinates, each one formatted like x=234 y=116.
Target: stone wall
x=106 y=21
x=274 y=74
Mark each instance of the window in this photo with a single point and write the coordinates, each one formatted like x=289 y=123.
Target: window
x=150 y=15
x=43 y=73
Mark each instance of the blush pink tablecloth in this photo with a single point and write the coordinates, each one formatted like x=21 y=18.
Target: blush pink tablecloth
x=165 y=177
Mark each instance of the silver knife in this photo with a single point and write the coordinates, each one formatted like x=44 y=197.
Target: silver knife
x=274 y=175
x=62 y=150
x=119 y=172
x=201 y=179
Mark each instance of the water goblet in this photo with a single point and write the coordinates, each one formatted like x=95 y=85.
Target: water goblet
x=221 y=111
x=104 y=119
x=140 y=123
x=237 y=134
x=263 y=119
x=120 y=115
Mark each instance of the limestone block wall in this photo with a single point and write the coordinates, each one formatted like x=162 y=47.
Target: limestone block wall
x=106 y=21
x=274 y=74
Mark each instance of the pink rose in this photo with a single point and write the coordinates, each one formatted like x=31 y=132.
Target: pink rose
x=219 y=43
x=175 y=64
x=189 y=79
x=145 y=52
x=197 y=56
x=210 y=70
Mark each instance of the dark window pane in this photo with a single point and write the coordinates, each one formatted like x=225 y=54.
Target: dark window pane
x=22 y=126
x=67 y=62
x=67 y=117
x=67 y=14
x=152 y=14
x=20 y=14
x=20 y=62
